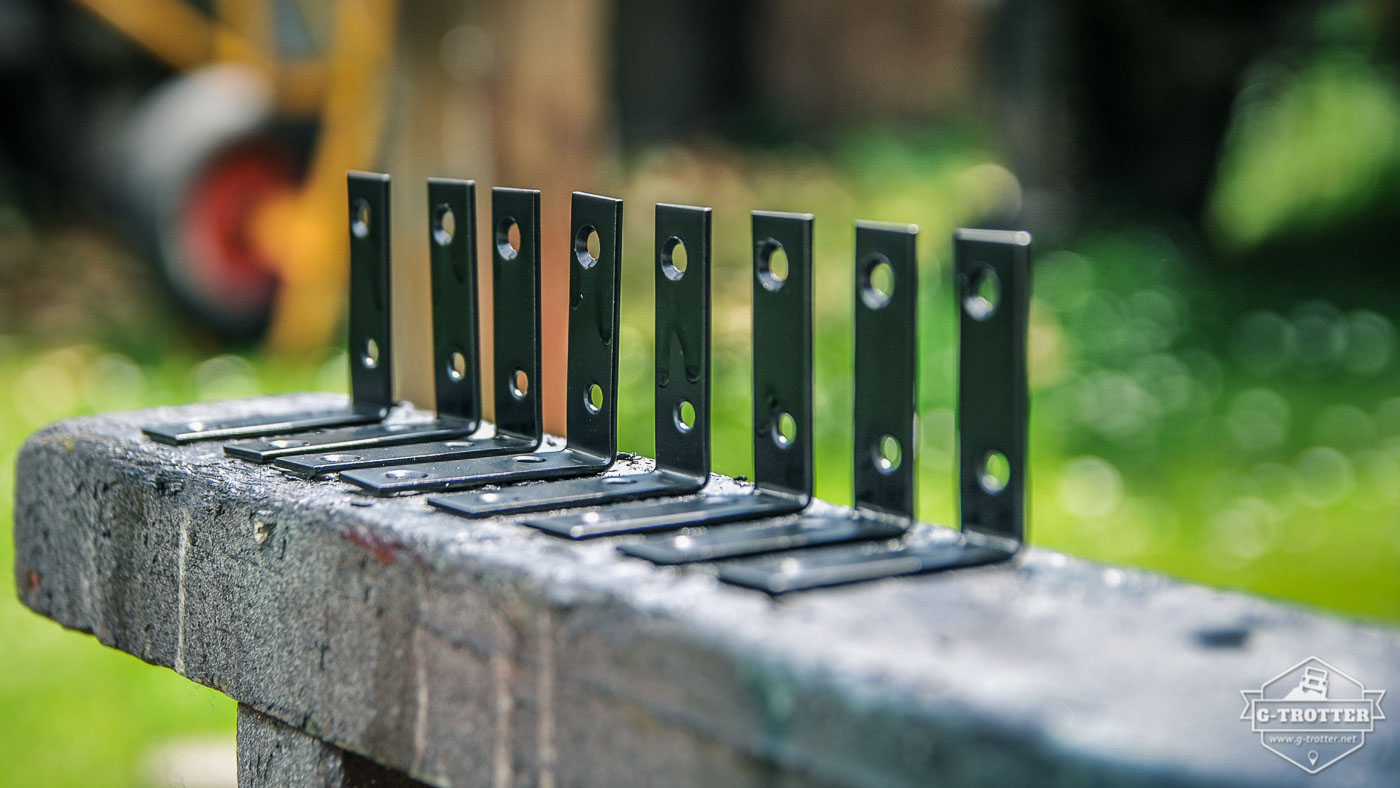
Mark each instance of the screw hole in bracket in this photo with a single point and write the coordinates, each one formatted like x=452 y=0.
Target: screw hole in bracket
x=588 y=247
x=405 y=474
x=876 y=282
x=444 y=224
x=370 y=358
x=508 y=239
x=888 y=454
x=784 y=429
x=684 y=416
x=983 y=294
x=995 y=472
x=593 y=398
x=519 y=384
x=772 y=265
x=456 y=366
x=674 y=258
x=360 y=217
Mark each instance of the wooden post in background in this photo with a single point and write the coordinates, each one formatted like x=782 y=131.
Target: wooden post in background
x=549 y=107
x=509 y=94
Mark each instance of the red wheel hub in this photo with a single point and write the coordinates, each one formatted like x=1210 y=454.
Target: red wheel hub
x=224 y=266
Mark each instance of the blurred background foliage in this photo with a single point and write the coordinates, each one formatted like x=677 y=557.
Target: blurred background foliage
x=1213 y=191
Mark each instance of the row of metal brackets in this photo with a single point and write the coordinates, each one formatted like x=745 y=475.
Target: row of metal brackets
x=765 y=539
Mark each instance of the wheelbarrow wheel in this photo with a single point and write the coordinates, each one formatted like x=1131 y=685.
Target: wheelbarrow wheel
x=202 y=158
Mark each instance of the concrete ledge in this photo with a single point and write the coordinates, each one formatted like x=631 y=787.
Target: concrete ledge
x=474 y=652
x=271 y=753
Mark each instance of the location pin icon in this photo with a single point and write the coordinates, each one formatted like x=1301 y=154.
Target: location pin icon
x=1312 y=758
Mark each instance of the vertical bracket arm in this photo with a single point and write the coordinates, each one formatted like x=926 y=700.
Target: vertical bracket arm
x=515 y=267
x=782 y=354
x=683 y=340
x=371 y=355
x=452 y=256
x=993 y=292
x=594 y=283
x=886 y=368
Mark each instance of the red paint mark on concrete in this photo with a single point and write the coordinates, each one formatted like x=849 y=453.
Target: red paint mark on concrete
x=384 y=550
x=32 y=587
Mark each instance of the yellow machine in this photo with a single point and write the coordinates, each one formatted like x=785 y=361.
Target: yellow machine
x=249 y=231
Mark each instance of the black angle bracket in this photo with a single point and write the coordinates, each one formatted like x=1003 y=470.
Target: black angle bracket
x=992 y=271
x=371 y=357
x=782 y=401
x=682 y=389
x=457 y=378
x=594 y=283
x=886 y=397
x=453 y=262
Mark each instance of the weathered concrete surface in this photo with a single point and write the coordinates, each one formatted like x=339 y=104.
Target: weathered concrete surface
x=482 y=652
x=271 y=753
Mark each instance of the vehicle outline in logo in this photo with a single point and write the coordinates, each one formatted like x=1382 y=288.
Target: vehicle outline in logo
x=1312 y=714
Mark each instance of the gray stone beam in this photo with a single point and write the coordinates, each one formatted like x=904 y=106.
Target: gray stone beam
x=486 y=653
x=272 y=753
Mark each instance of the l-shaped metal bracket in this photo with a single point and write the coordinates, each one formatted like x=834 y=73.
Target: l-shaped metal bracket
x=594 y=282
x=371 y=356
x=455 y=343
x=782 y=401
x=457 y=375
x=886 y=381
x=682 y=390
x=992 y=270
